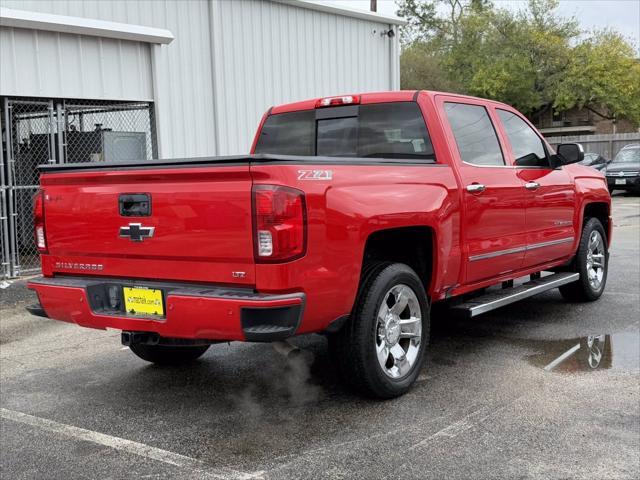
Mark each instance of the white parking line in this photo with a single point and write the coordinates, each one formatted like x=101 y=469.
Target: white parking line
x=562 y=357
x=465 y=423
x=460 y=426
x=129 y=446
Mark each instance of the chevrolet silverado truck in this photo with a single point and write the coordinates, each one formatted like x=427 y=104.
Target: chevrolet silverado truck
x=350 y=217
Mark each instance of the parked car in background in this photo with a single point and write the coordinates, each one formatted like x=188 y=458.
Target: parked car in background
x=623 y=173
x=595 y=160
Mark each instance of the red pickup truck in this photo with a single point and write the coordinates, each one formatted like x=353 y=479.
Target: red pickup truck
x=351 y=216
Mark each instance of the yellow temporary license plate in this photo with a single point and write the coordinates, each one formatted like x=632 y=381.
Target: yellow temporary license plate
x=143 y=301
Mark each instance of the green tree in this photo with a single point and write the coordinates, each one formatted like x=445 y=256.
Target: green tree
x=522 y=56
x=422 y=20
x=422 y=69
x=533 y=59
x=602 y=73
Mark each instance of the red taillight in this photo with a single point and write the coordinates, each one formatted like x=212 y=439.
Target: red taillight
x=38 y=221
x=279 y=223
x=342 y=100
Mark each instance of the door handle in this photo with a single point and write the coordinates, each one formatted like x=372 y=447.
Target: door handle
x=135 y=204
x=476 y=188
x=532 y=185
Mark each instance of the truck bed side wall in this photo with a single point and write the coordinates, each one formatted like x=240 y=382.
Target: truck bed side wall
x=344 y=212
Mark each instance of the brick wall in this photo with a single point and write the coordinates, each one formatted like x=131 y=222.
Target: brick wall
x=582 y=117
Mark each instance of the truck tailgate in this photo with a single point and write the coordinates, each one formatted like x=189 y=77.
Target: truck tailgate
x=200 y=216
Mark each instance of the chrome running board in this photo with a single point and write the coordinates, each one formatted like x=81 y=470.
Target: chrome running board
x=491 y=301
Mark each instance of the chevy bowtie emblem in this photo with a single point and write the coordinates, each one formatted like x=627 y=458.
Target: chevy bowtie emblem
x=136 y=232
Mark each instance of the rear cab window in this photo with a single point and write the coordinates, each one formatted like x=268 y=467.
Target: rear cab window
x=288 y=134
x=394 y=130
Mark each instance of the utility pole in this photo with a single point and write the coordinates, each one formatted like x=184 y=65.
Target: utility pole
x=374 y=5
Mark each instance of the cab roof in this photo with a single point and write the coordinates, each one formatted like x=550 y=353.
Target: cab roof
x=373 y=97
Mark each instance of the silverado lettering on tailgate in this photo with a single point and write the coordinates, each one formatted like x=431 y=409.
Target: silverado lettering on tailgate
x=79 y=266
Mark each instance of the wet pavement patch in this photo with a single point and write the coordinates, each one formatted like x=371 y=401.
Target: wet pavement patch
x=620 y=351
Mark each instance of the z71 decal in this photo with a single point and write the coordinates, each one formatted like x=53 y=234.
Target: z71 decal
x=315 y=174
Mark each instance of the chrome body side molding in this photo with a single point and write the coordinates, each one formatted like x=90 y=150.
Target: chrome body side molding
x=510 y=251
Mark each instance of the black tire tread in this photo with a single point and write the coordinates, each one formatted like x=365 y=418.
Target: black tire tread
x=352 y=366
x=352 y=341
x=580 y=291
x=338 y=342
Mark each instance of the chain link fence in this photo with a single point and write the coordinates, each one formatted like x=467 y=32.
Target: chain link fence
x=5 y=269
x=97 y=132
x=38 y=132
x=28 y=139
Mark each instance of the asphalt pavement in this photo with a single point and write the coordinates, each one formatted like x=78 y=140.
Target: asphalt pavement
x=496 y=398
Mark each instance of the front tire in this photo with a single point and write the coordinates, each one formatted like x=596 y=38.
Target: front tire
x=592 y=262
x=380 y=351
x=168 y=355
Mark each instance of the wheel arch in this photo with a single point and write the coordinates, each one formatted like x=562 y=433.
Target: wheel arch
x=601 y=211
x=414 y=246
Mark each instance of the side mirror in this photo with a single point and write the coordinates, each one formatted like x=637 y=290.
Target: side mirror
x=568 y=153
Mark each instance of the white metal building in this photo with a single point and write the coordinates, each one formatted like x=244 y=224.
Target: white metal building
x=92 y=80
x=210 y=67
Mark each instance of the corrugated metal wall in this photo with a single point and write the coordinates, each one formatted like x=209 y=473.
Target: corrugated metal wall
x=46 y=64
x=269 y=53
x=183 y=92
x=265 y=53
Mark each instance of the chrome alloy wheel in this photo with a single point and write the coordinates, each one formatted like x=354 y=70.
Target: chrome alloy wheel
x=399 y=331
x=595 y=344
x=595 y=260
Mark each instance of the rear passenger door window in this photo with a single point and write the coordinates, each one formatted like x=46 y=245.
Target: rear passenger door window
x=475 y=136
x=528 y=149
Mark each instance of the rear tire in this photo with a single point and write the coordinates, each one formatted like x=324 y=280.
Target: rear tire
x=168 y=355
x=381 y=349
x=592 y=263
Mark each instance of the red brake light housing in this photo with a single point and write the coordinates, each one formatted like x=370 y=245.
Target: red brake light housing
x=279 y=223
x=341 y=100
x=38 y=221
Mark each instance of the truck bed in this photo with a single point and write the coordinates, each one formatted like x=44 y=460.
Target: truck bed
x=228 y=160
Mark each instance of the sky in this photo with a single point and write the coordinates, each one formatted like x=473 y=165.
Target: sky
x=620 y=15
